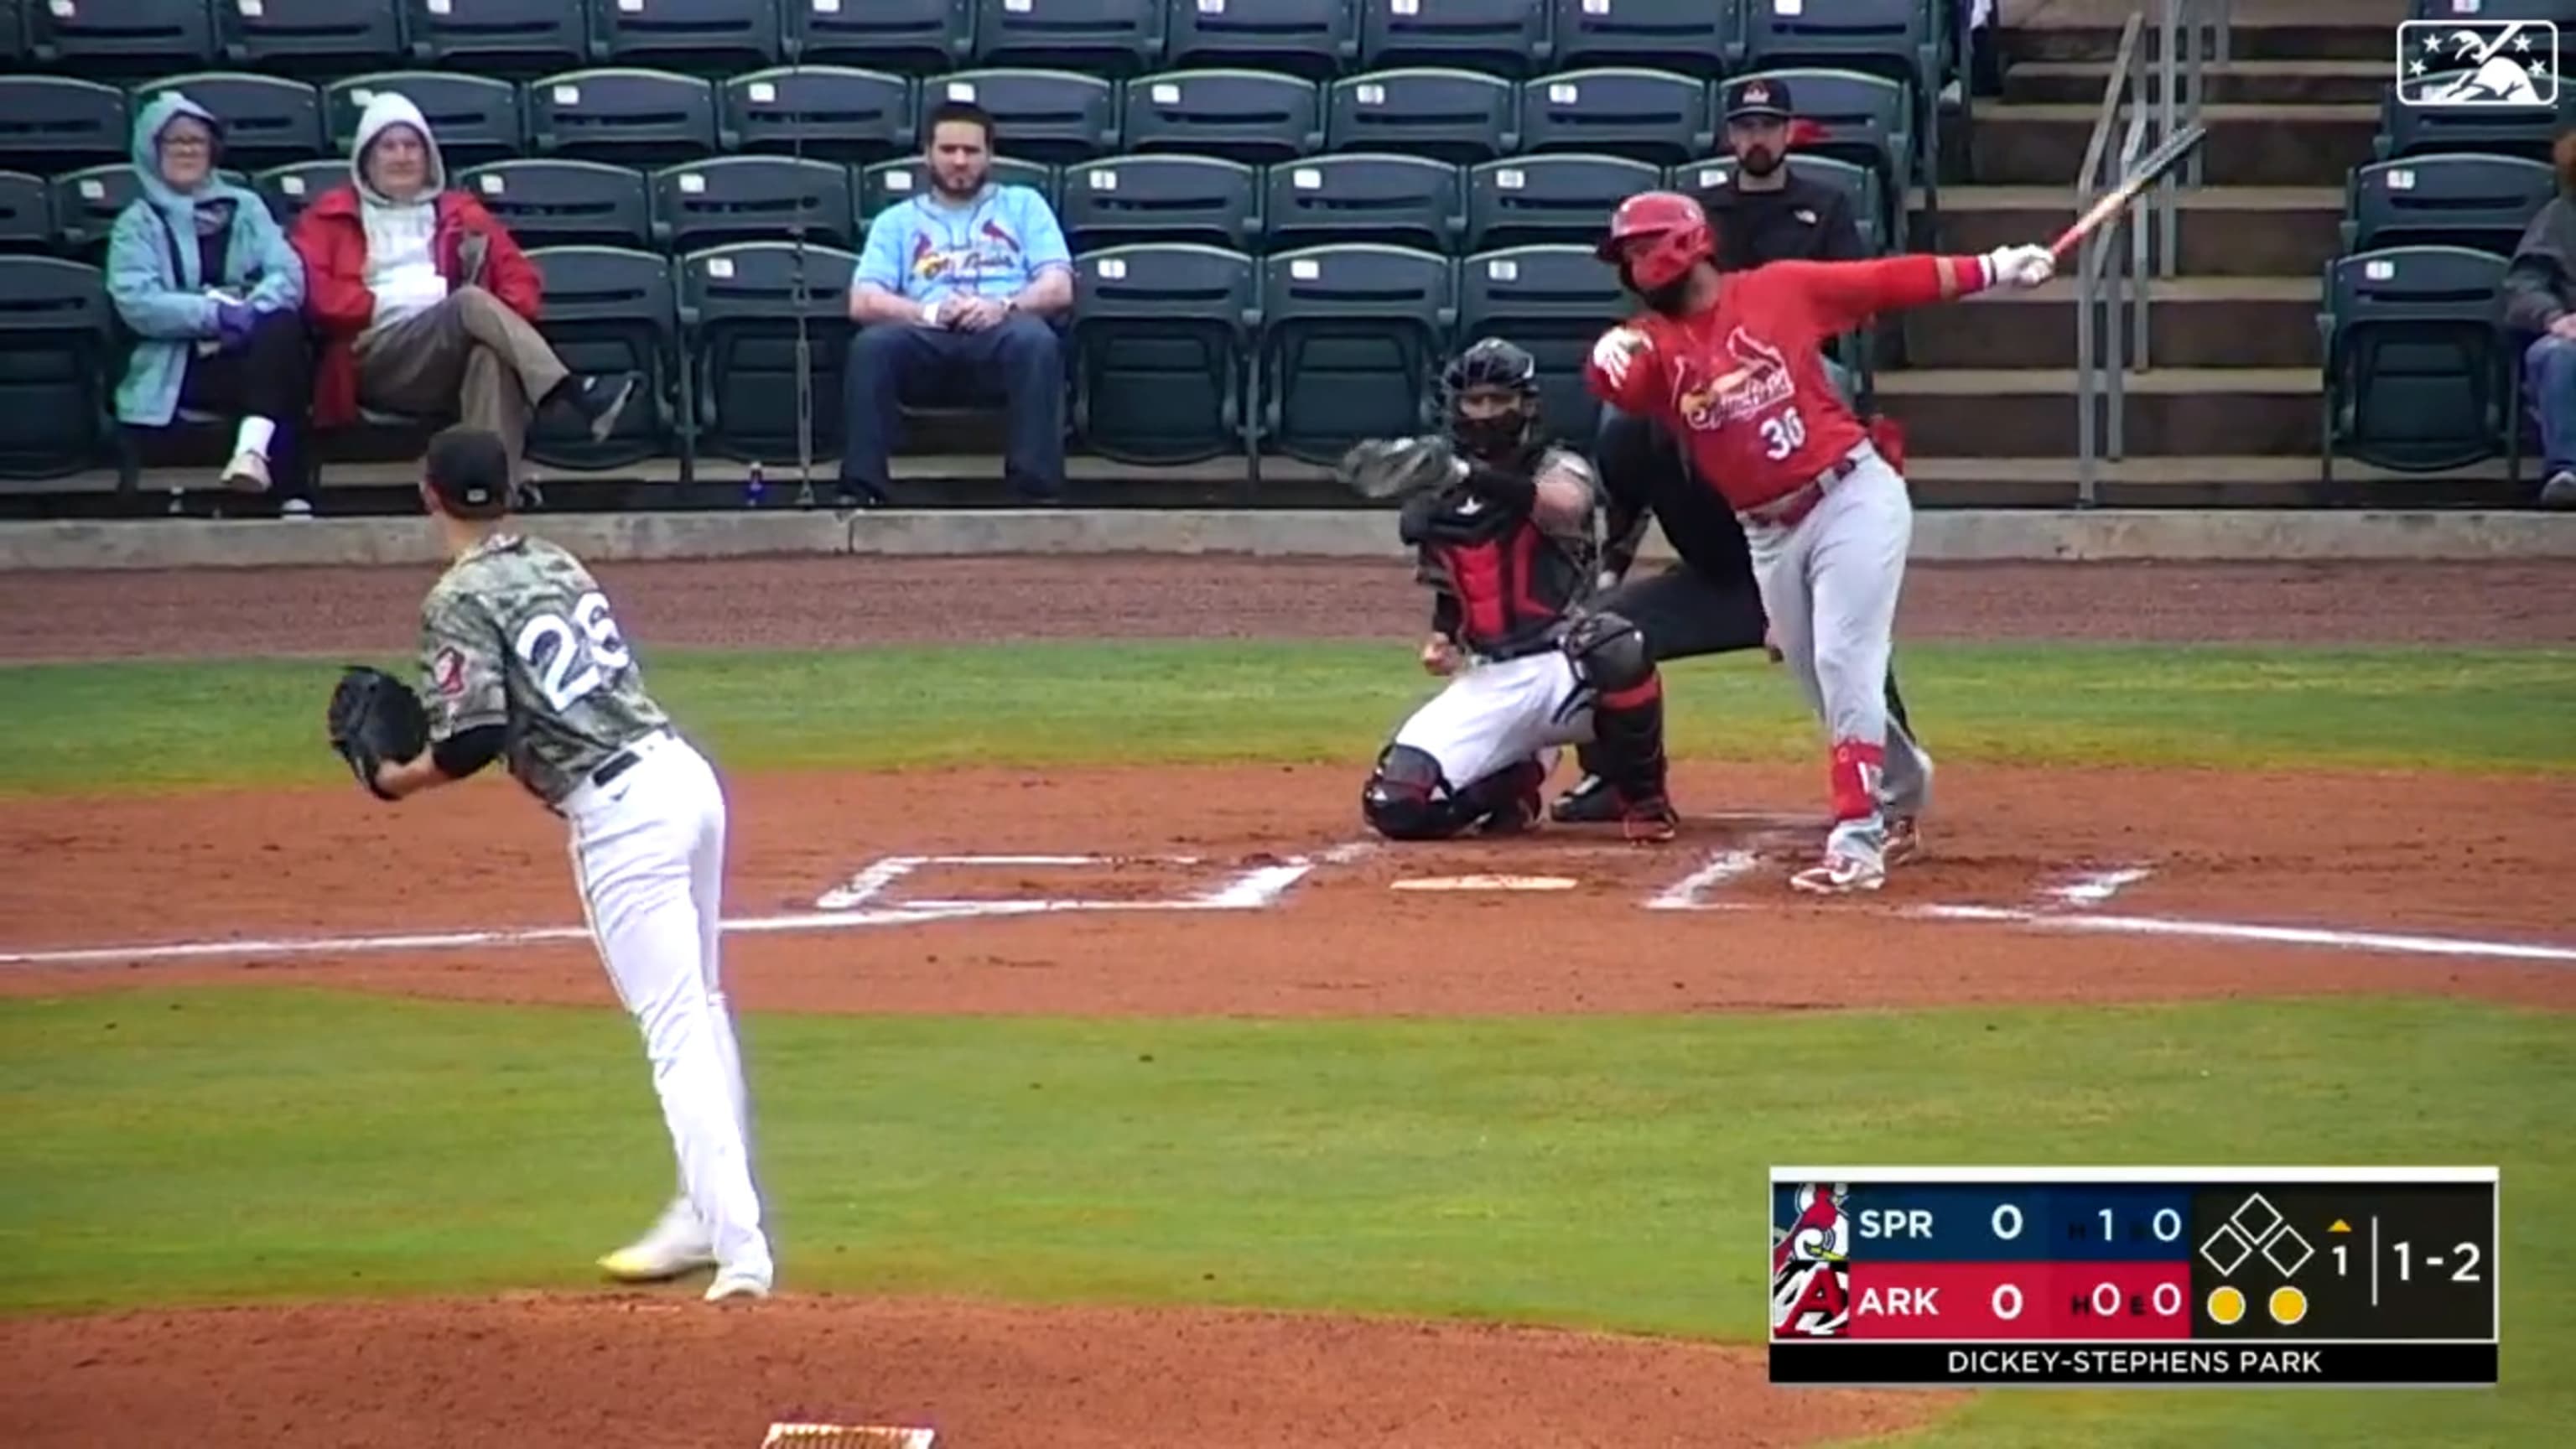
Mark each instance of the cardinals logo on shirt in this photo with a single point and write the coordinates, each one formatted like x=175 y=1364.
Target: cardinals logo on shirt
x=992 y=251
x=1758 y=380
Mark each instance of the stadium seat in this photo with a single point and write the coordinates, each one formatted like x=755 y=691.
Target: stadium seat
x=889 y=182
x=1352 y=341
x=1501 y=37
x=1565 y=198
x=87 y=202
x=1162 y=343
x=1861 y=184
x=1450 y=115
x=2480 y=202
x=1130 y=199
x=309 y=37
x=2417 y=376
x=829 y=111
x=1243 y=115
x=1099 y=37
x=1554 y=302
x=1690 y=36
x=701 y=37
x=609 y=310
x=476 y=118
x=290 y=189
x=516 y=38
x=2414 y=130
x=26 y=213
x=268 y=120
x=1054 y=116
x=752 y=198
x=635 y=117
x=739 y=307
x=917 y=37
x=51 y=123
x=54 y=342
x=1380 y=197
x=106 y=38
x=13 y=35
x=1312 y=39
x=558 y=203
x=1864 y=121
x=1651 y=115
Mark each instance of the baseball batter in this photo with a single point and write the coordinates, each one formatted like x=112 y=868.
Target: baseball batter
x=1730 y=365
x=522 y=660
x=1504 y=530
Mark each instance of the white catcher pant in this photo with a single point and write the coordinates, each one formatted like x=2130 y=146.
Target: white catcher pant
x=1830 y=583
x=1492 y=716
x=648 y=855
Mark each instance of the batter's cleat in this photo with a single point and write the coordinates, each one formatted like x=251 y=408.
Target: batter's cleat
x=1904 y=840
x=1840 y=875
x=748 y=1287
x=1649 y=822
x=1590 y=802
x=676 y=1244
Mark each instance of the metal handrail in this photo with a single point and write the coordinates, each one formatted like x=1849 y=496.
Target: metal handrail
x=2120 y=294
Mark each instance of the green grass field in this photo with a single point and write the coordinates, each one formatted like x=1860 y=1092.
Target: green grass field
x=231 y=1144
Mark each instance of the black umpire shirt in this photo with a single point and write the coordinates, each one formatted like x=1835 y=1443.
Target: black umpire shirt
x=1803 y=221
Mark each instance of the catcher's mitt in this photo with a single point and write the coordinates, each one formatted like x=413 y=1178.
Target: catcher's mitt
x=375 y=717
x=1400 y=467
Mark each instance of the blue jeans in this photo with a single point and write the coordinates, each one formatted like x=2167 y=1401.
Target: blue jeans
x=2549 y=376
x=1019 y=361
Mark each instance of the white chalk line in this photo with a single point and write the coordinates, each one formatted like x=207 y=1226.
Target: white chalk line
x=2396 y=942
x=1690 y=892
x=2095 y=887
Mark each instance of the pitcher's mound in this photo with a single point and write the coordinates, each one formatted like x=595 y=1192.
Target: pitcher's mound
x=630 y=1372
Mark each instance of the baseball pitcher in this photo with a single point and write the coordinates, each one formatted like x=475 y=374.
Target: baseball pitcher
x=1503 y=529
x=1730 y=365
x=522 y=660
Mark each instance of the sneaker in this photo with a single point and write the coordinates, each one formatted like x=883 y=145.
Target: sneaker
x=247 y=472
x=599 y=401
x=733 y=1284
x=677 y=1243
x=1590 y=802
x=2559 y=491
x=1839 y=874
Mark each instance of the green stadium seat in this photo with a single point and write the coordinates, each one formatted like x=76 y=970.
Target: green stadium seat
x=1457 y=116
x=2476 y=201
x=888 y=183
x=738 y=311
x=1654 y=116
x=1502 y=37
x=1054 y=116
x=1554 y=302
x=291 y=188
x=609 y=310
x=634 y=117
x=1163 y=339
x=552 y=202
x=914 y=37
x=1126 y=200
x=51 y=123
x=476 y=118
x=701 y=37
x=1312 y=39
x=728 y=199
x=268 y=120
x=13 y=34
x=1690 y=36
x=1251 y=116
x=1352 y=338
x=309 y=37
x=2419 y=130
x=87 y=203
x=1361 y=196
x=521 y=39
x=55 y=338
x=102 y=39
x=26 y=213
x=2417 y=376
x=1564 y=198
x=826 y=111
x=1096 y=37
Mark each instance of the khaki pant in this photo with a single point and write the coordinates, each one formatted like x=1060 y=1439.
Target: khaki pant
x=469 y=356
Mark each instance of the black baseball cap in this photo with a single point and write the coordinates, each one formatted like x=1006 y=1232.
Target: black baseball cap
x=469 y=470
x=1759 y=96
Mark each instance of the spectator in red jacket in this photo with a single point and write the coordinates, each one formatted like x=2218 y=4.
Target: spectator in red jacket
x=423 y=302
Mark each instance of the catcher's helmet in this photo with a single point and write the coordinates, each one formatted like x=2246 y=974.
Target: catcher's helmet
x=1496 y=365
x=1656 y=237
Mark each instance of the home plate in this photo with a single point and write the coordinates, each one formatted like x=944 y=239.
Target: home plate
x=847 y=1436
x=1487 y=883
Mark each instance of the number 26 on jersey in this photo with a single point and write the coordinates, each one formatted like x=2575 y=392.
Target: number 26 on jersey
x=568 y=658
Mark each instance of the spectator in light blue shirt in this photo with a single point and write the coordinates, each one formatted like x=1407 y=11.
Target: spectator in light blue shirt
x=957 y=297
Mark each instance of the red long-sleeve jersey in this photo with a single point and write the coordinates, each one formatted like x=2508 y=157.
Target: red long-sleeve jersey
x=1743 y=384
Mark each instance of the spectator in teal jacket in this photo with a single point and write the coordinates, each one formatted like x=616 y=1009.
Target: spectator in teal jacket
x=204 y=280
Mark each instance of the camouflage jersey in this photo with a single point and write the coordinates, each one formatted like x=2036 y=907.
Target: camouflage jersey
x=517 y=633
x=1513 y=585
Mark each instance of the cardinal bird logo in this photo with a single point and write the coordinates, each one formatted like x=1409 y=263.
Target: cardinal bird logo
x=1759 y=379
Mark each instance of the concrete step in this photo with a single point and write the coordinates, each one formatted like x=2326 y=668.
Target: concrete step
x=2192 y=321
x=2305 y=145
x=2260 y=29
x=2260 y=82
x=2222 y=231
x=2202 y=481
x=2030 y=412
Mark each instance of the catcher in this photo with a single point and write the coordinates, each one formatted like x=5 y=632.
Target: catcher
x=522 y=660
x=1504 y=530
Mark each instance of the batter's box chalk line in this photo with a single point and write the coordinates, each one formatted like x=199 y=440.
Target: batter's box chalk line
x=846 y=1436
x=1245 y=888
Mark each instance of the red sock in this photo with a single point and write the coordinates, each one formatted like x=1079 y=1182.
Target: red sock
x=1855 y=779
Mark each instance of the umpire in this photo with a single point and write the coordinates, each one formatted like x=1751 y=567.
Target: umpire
x=1708 y=604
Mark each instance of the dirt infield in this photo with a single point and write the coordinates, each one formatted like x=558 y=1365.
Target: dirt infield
x=2042 y=885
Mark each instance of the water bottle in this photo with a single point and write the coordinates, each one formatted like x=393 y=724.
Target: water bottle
x=755 y=487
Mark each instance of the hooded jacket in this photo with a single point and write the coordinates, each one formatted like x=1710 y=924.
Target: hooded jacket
x=2542 y=279
x=332 y=238
x=153 y=262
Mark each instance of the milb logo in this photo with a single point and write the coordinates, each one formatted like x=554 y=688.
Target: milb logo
x=2463 y=62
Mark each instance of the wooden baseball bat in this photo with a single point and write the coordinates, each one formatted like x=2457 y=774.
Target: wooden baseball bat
x=2150 y=168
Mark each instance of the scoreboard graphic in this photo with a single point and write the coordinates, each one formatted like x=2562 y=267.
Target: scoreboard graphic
x=1969 y=1277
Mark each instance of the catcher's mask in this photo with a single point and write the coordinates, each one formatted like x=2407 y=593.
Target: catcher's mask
x=1489 y=400
x=1655 y=239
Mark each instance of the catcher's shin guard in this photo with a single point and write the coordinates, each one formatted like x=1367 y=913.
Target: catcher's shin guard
x=1609 y=654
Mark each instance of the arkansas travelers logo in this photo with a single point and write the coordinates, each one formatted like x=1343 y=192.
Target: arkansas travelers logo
x=1811 y=1265
x=1758 y=381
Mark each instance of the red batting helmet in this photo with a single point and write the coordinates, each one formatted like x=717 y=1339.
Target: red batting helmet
x=1658 y=234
